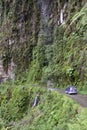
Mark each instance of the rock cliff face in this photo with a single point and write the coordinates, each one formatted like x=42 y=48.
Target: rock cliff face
x=26 y=23
x=23 y=25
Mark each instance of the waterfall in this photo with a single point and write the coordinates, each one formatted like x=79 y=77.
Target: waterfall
x=45 y=29
x=36 y=100
x=61 y=17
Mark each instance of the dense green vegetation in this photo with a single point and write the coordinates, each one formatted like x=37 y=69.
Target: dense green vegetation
x=40 y=57
x=33 y=36
x=53 y=111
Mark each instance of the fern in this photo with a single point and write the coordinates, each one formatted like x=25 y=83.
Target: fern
x=82 y=14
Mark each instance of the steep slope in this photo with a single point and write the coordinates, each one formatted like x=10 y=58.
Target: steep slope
x=53 y=111
x=44 y=40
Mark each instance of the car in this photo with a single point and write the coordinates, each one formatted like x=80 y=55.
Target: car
x=71 y=90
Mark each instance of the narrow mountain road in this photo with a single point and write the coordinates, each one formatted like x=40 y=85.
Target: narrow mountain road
x=78 y=98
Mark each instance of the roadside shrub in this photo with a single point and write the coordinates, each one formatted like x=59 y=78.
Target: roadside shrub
x=16 y=106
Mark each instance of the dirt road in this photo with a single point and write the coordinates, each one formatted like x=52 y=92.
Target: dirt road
x=78 y=98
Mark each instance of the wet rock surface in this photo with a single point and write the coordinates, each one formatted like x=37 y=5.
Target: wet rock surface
x=46 y=29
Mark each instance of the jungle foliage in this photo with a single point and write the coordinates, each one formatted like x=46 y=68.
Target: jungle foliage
x=39 y=57
x=22 y=39
x=65 y=60
x=53 y=111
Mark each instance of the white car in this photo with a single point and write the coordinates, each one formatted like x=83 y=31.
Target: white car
x=71 y=90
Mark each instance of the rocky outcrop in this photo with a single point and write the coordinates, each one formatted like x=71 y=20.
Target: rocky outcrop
x=3 y=75
x=9 y=75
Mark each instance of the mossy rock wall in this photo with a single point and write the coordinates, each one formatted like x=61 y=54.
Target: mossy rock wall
x=44 y=39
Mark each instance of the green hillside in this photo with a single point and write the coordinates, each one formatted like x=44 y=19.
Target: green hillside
x=53 y=111
x=42 y=40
